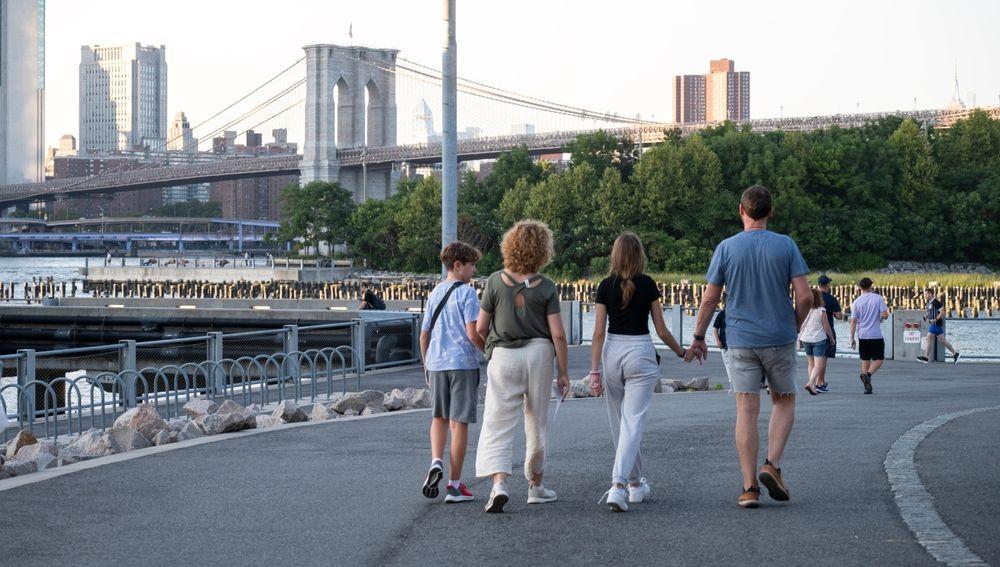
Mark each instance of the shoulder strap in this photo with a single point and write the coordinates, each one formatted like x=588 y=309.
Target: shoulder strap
x=440 y=306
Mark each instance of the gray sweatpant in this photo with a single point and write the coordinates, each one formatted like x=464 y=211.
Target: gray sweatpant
x=630 y=374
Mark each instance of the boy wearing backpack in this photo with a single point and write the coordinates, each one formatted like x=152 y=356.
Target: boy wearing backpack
x=449 y=346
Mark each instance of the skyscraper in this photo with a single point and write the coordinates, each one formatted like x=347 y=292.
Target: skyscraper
x=722 y=94
x=22 y=91
x=123 y=97
x=180 y=137
x=689 y=99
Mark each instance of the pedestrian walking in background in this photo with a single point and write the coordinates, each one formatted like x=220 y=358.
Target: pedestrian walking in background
x=867 y=313
x=623 y=362
x=833 y=311
x=935 y=319
x=814 y=337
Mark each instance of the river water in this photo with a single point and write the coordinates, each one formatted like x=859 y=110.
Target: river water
x=972 y=338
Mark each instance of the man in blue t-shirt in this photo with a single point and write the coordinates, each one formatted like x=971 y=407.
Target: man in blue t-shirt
x=757 y=266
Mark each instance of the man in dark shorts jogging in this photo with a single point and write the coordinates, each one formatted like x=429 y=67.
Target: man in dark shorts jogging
x=935 y=318
x=867 y=313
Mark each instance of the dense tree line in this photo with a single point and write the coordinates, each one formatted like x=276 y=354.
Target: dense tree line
x=852 y=199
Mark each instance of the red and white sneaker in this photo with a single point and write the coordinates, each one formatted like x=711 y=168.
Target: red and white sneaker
x=459 y=494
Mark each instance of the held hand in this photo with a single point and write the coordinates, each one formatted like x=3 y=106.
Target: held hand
x=854 y=344
x=697 y=351
x=596 y=384
x=427 y=378
x=563 y=383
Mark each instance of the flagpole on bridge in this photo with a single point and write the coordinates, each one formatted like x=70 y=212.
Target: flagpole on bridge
x=449 y=142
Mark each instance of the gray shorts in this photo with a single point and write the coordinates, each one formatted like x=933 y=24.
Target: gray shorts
x=455 y=394
x=776 y=363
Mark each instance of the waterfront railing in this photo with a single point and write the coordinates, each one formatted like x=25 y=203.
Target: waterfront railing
x=66 y=391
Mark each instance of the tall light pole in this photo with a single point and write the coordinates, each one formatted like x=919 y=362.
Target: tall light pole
x=449 y=142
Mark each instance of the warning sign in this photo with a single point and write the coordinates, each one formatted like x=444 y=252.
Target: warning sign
x=911 y=336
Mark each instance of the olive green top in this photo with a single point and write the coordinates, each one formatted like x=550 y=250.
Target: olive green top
x=516 y=320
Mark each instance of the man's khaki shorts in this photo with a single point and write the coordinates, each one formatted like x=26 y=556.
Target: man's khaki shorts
x=746 y=365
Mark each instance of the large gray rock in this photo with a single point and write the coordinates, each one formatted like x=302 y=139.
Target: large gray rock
x=264 y=421
x=15 y=467
x=358 y=401
x=658 y=387
x=165 y=437
x=142 y=418
x=29 y=452
x=91 y=443
x=190 y=431
x=229 y=406
x=255 y=409
x=43 y=454
x=320 y=412
x=289 y=412
x=200 y=406
x=233 y=419
x=700 y=384
x=676 y=385
x=23 y=437
x=177 y=423
x=125 y=439
x=351 y=413
x=416 y=398
x=666 y=388
x=394 y=400
x=580 y=388
x=372 y=410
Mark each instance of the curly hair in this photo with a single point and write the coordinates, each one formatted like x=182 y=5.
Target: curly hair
x=527 y=247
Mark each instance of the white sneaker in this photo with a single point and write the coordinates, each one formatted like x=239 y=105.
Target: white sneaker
x=540 y=495
x=637 y=493
x=616 y=499
x=498 y=498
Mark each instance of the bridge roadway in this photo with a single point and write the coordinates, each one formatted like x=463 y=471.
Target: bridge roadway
x=346 y=492
x=473 y=149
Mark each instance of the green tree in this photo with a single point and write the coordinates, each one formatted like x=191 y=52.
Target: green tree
x=314 y=213
x=602 y=150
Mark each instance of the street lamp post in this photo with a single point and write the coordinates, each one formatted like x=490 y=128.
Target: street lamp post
x=449 y=142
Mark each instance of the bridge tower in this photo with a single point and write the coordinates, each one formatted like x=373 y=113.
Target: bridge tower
x=350 y=103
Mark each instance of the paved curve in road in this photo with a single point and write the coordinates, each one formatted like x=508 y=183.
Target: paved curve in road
x=347 y=493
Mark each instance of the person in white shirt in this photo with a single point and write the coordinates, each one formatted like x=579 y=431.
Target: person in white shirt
x=814 y=337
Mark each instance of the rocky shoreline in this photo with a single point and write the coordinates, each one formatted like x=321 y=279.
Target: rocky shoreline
x=142 y=426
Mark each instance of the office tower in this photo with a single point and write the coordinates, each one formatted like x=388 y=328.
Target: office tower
x=22 y=91
x=123 y=98
x=180 y=136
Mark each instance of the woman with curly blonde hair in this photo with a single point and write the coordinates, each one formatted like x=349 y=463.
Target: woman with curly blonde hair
x=519 y=319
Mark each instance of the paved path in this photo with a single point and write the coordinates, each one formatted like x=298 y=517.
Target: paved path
x=347 y=493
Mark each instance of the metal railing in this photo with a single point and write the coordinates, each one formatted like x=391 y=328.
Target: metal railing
x=59 y=392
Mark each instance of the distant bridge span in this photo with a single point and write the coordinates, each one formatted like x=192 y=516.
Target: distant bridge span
x=386 y=156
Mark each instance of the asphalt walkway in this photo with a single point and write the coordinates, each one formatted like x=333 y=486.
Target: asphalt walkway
x=347 y=492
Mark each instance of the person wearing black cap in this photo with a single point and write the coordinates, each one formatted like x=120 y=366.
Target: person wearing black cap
x=833 y=311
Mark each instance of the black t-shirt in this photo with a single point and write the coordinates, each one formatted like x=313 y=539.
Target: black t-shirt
x=720 y=324
x=832 y=306
x=634 y=318
x=933 y=309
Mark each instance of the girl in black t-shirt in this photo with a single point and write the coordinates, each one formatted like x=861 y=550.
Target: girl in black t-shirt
x=625 y=301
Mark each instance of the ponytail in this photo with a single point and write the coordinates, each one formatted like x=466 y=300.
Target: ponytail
x=628 y=260
x=627 y=290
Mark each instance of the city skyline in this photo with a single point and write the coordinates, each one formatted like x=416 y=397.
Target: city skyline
x=870 y=58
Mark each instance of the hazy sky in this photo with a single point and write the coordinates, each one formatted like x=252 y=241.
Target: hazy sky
x=807 y=57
